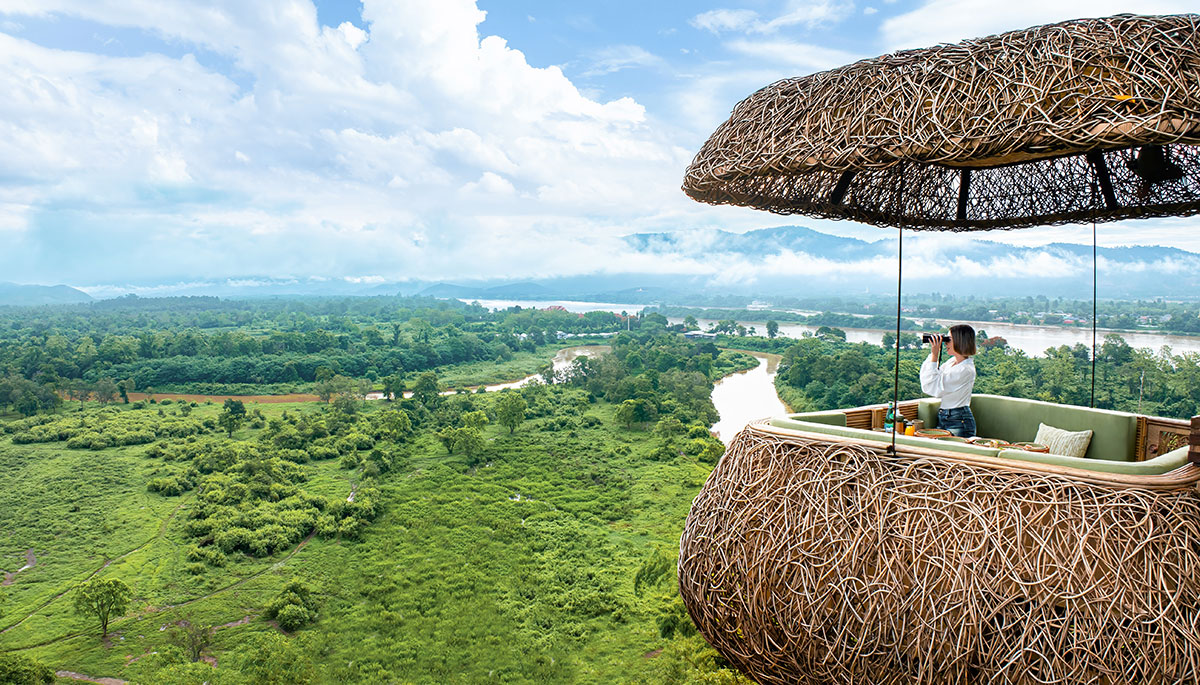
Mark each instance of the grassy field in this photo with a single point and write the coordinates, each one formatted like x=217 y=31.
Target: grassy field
x=518 y=569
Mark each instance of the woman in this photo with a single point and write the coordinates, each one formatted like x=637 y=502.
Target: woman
x=952 y=382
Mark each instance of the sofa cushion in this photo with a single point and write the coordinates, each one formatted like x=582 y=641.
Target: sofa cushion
x=832 y=418
x=1151 y=467
x=1017 y=420
x=874 y=436
x=1070 y=443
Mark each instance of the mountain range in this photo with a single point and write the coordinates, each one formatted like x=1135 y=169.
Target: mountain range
x=717 y=267
x=24 y=295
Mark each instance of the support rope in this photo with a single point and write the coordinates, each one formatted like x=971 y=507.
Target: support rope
x=1093 y=401
x=896 y=375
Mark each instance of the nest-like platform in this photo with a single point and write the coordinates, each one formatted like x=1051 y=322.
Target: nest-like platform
x=1087 y=120
x=810 y=561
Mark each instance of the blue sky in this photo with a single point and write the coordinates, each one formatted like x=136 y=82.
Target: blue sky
x=164 y=141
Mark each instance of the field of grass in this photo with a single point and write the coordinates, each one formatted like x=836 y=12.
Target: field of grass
x=518 y=569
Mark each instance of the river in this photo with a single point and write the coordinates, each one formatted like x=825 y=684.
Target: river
x=745 y=396
x=562 y=361
x=1033 y=340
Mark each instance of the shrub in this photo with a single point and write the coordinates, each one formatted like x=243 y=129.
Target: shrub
x=22 y=670
x=293 y=617
x=294 y=607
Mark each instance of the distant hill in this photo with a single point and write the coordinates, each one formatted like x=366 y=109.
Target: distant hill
x=26 y=295
x=715 y=267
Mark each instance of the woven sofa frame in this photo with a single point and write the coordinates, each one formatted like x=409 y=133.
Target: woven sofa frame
x=813 y=558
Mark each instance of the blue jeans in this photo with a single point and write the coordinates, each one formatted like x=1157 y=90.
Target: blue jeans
x=959 y=421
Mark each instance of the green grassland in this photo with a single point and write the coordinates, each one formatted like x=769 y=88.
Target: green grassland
x=513 y=564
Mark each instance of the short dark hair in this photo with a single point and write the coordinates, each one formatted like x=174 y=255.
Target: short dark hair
x=964 y=339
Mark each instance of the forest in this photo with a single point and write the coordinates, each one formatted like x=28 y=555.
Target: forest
x=344 y=540
x=330 y=538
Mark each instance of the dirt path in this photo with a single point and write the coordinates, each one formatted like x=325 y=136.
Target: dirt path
x=161 y=529
x=248 y=578
x=30 y=562
x=89 y=679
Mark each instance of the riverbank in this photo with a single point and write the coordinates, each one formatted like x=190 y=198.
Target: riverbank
x=745 y=396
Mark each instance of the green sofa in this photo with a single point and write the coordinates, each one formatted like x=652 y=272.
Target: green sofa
x=1016 y=420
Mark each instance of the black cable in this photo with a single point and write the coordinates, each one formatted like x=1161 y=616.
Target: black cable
x=896 y=378
x=1093 y=401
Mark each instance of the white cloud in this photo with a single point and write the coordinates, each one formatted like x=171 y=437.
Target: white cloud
x=949 y=21
x=869 y=11
x=807 y=13
x=721 y=20
x=346 y=146
x=804 y=56
x=618 y=57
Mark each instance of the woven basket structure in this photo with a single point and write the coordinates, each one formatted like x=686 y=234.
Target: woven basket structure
x=1086 y=120
x=814 y=562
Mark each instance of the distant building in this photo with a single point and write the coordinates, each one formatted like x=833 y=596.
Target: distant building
x=699 y=335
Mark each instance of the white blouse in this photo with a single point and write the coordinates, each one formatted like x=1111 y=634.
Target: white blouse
x=952 y=382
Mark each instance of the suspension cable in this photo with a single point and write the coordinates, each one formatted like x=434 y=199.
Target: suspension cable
x=1092 y=404
x=896 y=374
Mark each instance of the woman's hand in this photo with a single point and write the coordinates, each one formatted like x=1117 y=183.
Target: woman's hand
x=936 y=354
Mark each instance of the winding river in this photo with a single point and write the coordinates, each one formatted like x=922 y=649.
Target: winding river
x=745 y=396
x=562 y=361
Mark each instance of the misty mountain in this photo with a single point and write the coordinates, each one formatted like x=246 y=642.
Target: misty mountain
x=25 y=295
x=712 y=266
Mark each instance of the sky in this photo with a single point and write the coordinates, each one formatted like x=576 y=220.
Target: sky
x=162 y=141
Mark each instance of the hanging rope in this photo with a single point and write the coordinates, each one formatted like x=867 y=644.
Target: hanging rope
x=896 y=375
x=1093 y=402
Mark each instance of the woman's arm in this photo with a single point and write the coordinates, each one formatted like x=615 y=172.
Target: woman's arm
x=939 y=381
x=931 y=378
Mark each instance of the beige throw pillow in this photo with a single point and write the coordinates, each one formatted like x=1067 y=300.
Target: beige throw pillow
x=1071 y=444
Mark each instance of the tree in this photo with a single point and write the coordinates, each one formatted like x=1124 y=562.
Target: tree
x=125 y=387
x=474 y=419
x=627 y=413
x=469 y=442
x=510 y=410
x=393 y=387
x=103 y=599
x=191 y=637
x=397 y=424
x=772 y=328
x=106 y=390
x=80 y=391
x=425 y=390
x=233 y=415
x=690 y=323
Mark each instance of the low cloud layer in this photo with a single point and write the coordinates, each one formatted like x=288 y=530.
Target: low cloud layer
x=247 y=139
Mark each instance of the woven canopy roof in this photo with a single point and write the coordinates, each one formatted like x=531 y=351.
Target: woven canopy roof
x=1087 y=120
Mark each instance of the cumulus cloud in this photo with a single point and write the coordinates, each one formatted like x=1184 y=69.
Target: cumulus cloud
x=332 y=152
x=947 y=21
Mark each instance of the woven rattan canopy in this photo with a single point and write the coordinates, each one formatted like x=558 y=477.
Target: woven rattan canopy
x=1086 y=120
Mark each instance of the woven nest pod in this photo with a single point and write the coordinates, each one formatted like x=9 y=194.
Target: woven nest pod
x=1086 y=120
x=824 y=563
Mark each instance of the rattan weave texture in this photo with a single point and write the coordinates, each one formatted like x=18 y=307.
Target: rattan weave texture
x=988 y=133
x=812 y=562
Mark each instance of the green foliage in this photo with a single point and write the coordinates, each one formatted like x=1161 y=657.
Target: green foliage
x=191 y=637
x=294 y=607
x=272 y=659
x=16 y=669
x=510 y=410
x=657 y=566
x=103 y=599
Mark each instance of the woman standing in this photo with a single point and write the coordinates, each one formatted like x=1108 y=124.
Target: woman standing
x=953 y=381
